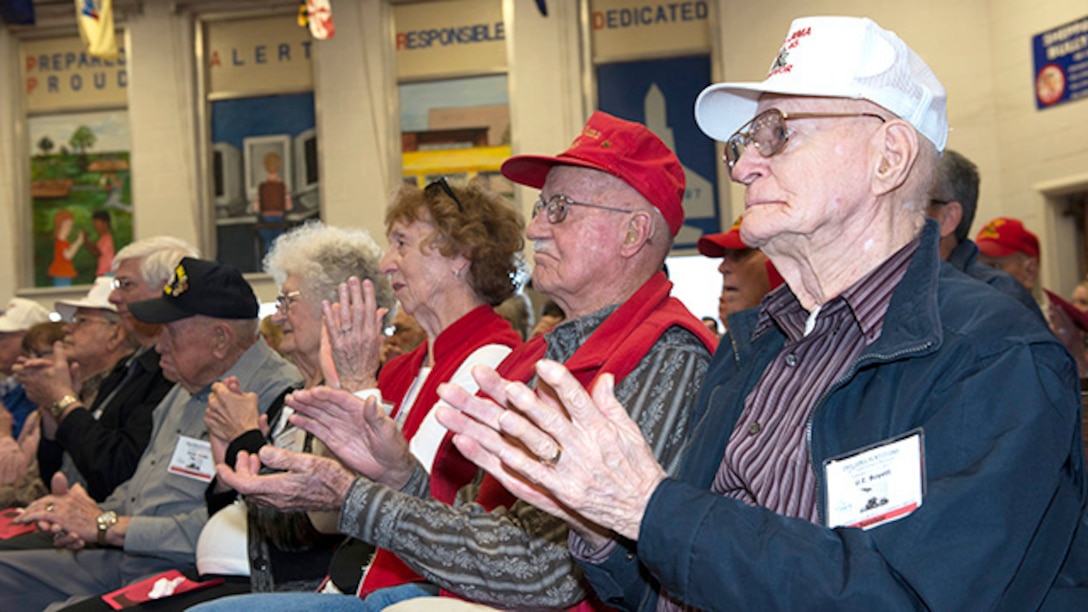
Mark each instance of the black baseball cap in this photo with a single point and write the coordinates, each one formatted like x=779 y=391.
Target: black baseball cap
x=200 y=287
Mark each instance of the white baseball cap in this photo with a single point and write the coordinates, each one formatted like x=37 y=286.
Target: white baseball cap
x=21 y=314
x=98 y=297
x=839 y=57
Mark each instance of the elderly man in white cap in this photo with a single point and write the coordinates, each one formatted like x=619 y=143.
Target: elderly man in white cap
x=19 y=315
x=872 y=438
x=85 y=371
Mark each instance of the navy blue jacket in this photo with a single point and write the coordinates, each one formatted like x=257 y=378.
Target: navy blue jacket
x=998 y=400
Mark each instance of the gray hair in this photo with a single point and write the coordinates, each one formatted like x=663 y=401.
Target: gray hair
x=160 y=255
x=957 y=179
x=323 y=256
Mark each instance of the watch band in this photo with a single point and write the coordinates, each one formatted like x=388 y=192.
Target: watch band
x=105 y=521
x=61 y=405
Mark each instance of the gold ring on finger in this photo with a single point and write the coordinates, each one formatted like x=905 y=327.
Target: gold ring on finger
x=554 y=459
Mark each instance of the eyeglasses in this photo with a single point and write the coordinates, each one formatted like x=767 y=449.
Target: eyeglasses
x=769 y=134
x=122 y=283
x=445 y=186
x=284 y=301
x=556 y=207
x=82 y=320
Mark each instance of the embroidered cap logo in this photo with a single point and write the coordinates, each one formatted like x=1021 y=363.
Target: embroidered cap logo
x=179 y=284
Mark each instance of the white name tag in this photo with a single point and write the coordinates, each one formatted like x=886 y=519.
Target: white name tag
x=876 y=485
x=193 y=459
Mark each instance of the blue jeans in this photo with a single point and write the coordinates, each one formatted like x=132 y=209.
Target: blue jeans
x=326 y=602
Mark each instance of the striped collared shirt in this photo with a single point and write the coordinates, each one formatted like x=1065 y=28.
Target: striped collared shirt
x=766 y=460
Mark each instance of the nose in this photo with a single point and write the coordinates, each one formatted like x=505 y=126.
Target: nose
x=750 y=166
x=278 y=317
x=115 y=297
x=386 y=265
x=539 y=227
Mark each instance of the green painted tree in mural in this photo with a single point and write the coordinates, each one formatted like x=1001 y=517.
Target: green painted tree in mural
x=46 y=145
x=82 y=139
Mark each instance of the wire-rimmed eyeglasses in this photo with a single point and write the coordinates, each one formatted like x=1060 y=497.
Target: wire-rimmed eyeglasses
x=768 y=132
x=556 y=207
x=284 y=301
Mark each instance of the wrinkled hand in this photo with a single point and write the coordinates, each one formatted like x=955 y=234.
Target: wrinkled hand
x=351 y=337
x=47 y=379
x=68 y=513
x=604 y=471
x=310 y=483
x=357 y=431
x=230 y=413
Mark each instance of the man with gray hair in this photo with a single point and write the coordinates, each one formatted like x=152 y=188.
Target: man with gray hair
x=103 y=439
x=952 y=203
x=151 y=522
x=871 y=438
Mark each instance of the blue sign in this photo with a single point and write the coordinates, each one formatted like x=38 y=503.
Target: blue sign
x=661 y=94
x=1061 y=64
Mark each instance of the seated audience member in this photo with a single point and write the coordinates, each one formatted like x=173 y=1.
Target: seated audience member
x=1008 y=246
x=451 y=260
x=275 y=550
x=19 y=481
x=406 y=336
x=104 y=438
x=870 y=438
x=150 y=523
x=747 y=274
x=605 y=212
x=953 y=200
x=19 y=315
x=95 y=344
x=550 y=316
x=516 y=309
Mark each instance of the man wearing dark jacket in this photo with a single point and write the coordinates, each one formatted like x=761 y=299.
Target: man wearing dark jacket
x=105 y=439
x=884 y=433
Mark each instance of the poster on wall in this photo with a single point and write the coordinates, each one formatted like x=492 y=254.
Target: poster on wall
x=660 y=94
x=264 y=173
x=457 y=128
x=1061 y=64
x=263 y=131
x=81 y=194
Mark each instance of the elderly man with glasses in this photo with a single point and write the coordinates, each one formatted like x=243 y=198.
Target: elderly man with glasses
x=609 y=209
x=887 y=434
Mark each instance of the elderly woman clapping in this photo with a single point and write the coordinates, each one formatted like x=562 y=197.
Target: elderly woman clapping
x=308 y=264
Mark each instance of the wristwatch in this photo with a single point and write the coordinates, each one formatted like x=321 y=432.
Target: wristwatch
x=105 y=521
x=61 y=405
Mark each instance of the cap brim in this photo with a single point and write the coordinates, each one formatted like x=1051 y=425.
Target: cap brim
x=532 y=170
x=722 y=108
x=714 y=245
x=157 y=310
x=993 y=249
x=6 y=327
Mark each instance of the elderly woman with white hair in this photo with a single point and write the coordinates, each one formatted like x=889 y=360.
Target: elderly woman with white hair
x=279 y=550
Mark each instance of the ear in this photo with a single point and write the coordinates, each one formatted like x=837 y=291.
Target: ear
x=897 y=148
x=222 y=339
x=1031 y=269
x=117 y=337
x=949 y=215
x=639 y=231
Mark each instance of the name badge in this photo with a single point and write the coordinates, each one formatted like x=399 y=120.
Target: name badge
x=193 y=459
x=876 y=485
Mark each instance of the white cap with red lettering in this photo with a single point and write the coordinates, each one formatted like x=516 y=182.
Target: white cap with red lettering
x=840 y=57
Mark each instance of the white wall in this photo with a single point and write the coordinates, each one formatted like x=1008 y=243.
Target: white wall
x=979 y=48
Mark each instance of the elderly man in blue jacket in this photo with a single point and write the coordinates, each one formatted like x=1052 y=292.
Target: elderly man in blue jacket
x=883 y=433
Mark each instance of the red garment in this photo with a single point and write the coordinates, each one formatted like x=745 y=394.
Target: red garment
x=450 y=471
x=61 y=267
x=616 y=347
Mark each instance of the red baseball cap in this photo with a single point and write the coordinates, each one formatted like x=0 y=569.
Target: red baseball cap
x=624 y=149
x=1004 y=236
x=715 y=245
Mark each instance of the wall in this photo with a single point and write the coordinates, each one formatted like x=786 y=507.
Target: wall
x=979 y=48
